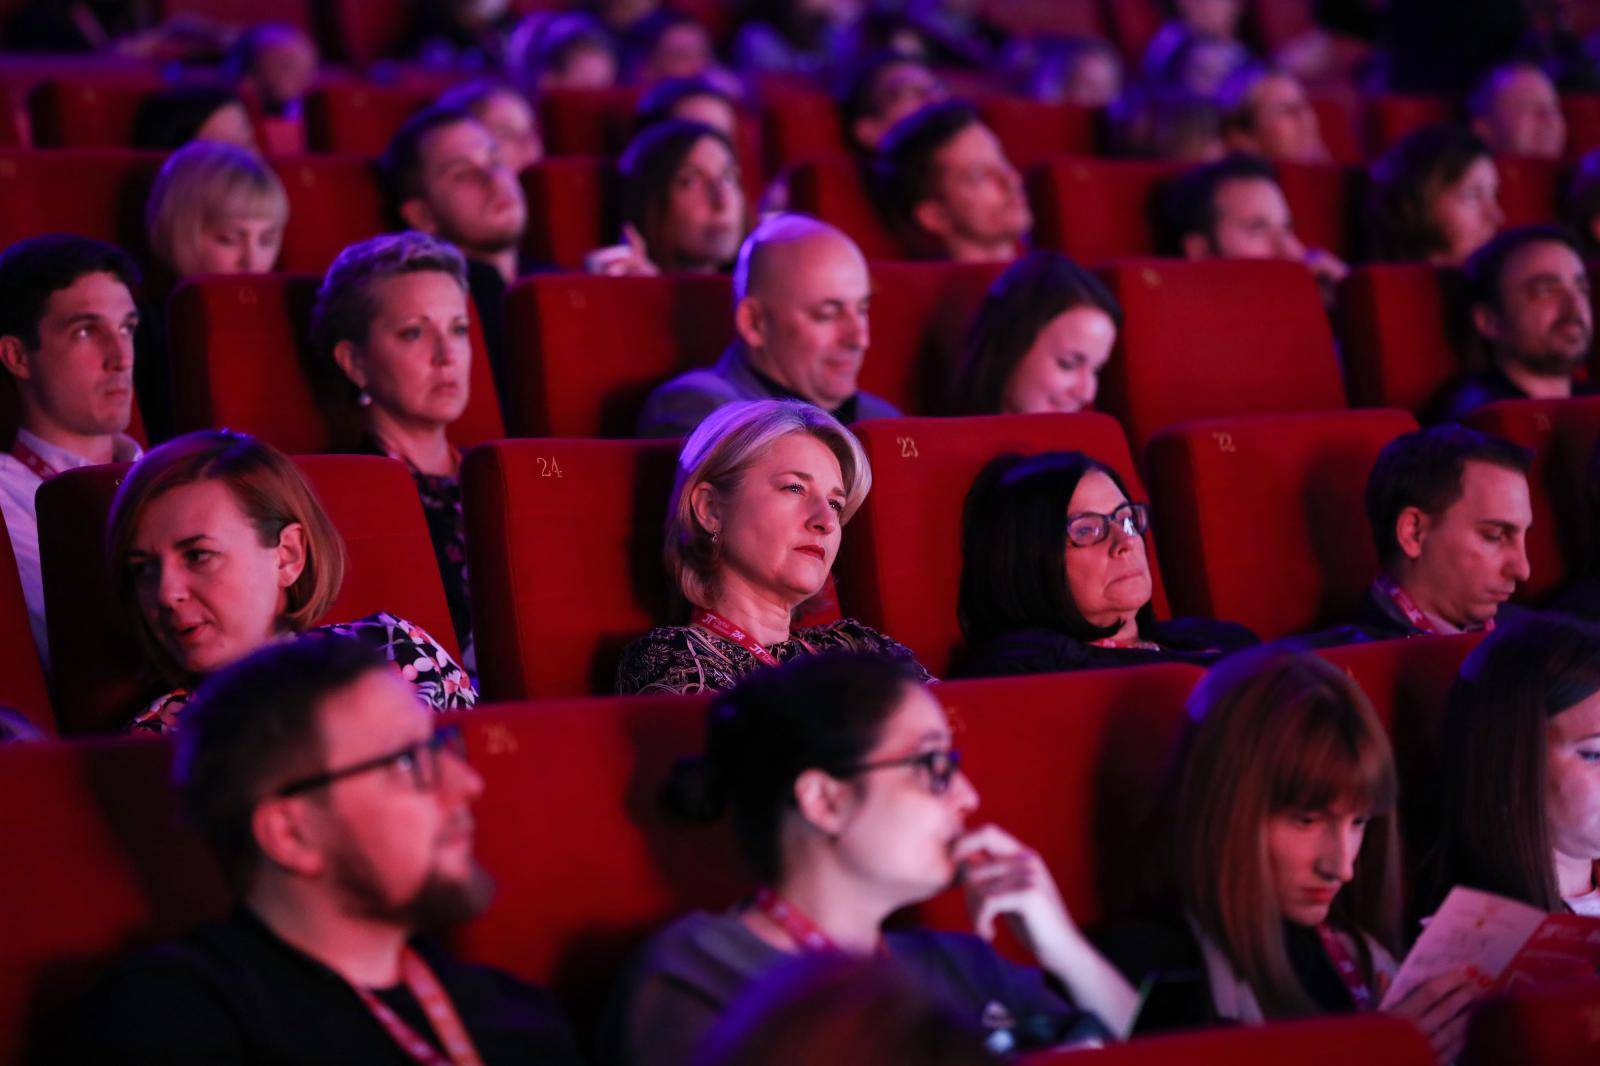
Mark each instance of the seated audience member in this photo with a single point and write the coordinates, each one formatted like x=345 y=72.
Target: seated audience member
x=1265 y=113
x=1580 y=208
x=1215 y=20
x=1076 y=71
x=1171 y=123
x=945 y=183
x=794 y=36
x=506 y=114
x=883 y=89
x=683 y=204
x=341 y=817
x=392 y=316
x=275 y=62
x=571 y=50
x=216 y=209
x=446 y=177
x=849 y=803
x=699 y=99
x=801 y=295
x=1054 y=574
x=1039 y=341
x=175 y=117
x=67 y=324
x=1516 y=785
x=763 y=491
x=1530 y=309
x=1235 y=209
x=1450 y=512
x=666 y=44
x=1198 y=64
x=1434 y=197
x=1286 y=878
x=1517 y=112
x=217 y=546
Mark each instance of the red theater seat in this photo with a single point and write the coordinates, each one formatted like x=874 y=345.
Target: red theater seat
x=358 y=118
x=1582 y=111
x=571 y=209
x=360 y=32
x=93 y=192
x=1323 y=201
x=901 y=555
x=241 y=359
x=1261 y=520
x=1559 y=511
x=334 y=201
x=1376 y=1039
x=920 y=316
x=798 y=125
x=95 y=659
x=587 y=121
x=1390 y=118
x=590 y=349
x=22 y=685
x=1217 y=339
x=1542 y=1027
x=1530 y=189
x=88 y=113
x=1341 y=115
x=1402 y=326
x=1097 y=209
x=833 y=190
x=1032 y=131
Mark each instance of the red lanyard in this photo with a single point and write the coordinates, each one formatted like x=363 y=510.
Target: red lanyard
x=33 y=461
x=441 y=1014
x=799 y=928
x=1360 y=994
x=715 y=623
x=1409 y=608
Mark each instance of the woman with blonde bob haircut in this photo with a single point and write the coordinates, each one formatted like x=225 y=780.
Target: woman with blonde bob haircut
x=216 y=209
x=218 y=546
x=763 y=491
x=1286 y=852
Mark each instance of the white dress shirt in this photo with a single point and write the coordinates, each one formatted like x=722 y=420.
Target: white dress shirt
x=18 y=486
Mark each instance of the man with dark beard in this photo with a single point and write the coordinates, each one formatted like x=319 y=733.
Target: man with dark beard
x=341 y=814
x=1530 y=308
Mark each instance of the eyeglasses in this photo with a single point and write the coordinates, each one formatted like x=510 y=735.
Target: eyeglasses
x=940 y=767
x=1088 y=529
x=421 y=759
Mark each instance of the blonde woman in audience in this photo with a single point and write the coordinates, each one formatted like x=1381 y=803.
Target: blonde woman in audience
x=763 y=491
x=392 y=316
x=216 y=209
x=1287 y=876
x=218 y=546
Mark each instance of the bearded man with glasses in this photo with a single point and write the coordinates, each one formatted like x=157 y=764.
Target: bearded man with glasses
x=341 y=815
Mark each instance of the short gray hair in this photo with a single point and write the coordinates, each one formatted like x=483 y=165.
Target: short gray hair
x=719 y=452
x=344 y=309
x=204 y=180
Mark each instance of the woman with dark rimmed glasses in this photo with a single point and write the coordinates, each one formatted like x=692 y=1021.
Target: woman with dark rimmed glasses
x=1054 y=574
x=849 y=803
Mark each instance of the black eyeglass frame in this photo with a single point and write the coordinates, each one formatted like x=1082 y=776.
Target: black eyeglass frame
x=445 y=737
x=939 y=778
x=1138 y=514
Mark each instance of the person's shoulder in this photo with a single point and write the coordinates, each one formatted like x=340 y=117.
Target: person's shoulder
x=1464 y=394
x=422 y=660
x=1024 y=651
x=1193 y=632
x=674 y=408
x=871 y=405
x=671 y=660
x=519 y=1011
x=851 y=635
x=669 y=639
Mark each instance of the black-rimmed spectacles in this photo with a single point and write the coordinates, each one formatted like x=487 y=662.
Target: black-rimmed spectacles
x=421 y=759
x=939 y=766
x=1087 y=529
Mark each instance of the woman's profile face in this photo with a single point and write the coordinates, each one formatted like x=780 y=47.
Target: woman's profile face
x=704 y=220
x=1312 y=854
x=1061 y=370
x=1108 y=581
x=207 y=588
x=1572 y=780
x=1466 y=214
x=416 y=364
x=233 y=244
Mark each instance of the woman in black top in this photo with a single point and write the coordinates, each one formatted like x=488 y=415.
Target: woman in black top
x=1054 y=574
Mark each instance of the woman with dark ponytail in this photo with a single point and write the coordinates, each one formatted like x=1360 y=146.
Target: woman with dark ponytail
x=849 y=804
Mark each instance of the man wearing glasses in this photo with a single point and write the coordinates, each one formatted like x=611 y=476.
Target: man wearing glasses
x=341 y=815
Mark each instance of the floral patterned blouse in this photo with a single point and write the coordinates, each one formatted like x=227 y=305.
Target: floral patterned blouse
x=440 y=681
x=687 y=659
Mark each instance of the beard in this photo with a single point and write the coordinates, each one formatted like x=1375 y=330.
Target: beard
x=1552 y=362
x=440 y=902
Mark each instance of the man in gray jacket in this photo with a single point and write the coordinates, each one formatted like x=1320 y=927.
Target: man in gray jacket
x=801 y=296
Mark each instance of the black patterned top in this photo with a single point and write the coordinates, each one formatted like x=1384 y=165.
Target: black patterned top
x=679 y=660
x=439 y=680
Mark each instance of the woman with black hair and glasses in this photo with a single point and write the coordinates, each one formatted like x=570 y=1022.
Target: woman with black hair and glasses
x=849 y=804
x=1054 y=574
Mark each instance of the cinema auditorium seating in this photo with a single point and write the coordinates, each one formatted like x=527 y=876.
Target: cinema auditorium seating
x=1377 y=1039
x=1097 y=209
x=1401 y=328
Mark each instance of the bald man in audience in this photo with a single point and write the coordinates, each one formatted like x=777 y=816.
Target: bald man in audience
x=801 y=295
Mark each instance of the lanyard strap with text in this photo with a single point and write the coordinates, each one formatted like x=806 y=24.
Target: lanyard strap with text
x=715 y=623
x=441 y=1015
x=797 y=925
x=1409 y=608
x=33 y=461
x=1360 y=994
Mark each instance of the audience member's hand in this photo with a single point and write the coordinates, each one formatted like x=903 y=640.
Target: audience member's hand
x=1441 y=1008
x=1002 y=876
x=1326 y=267
x=629 y=259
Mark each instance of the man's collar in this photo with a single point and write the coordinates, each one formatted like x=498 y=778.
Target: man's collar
x=124 y=449
x=845 y=412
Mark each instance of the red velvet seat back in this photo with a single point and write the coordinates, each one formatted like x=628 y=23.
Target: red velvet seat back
x=588 y=350
x=833 y=190
x=1217 y=339
x=1323 y=201
x=1391 y=117
x=359 y=118
x=564 y=546
x=901 y=554
x=22 y=685
x=586 y=121
x=1341 y=116
x=88 y=113
x=1261 y=520
x=93 y=192
x=1582 y=111
x=1096 y=209
x=798 y=125
x=1400 y=324
x=1378 y=1039
x=95 y=659
x=1033 y=131
x=334 y=201
x=1537 y=1027
x=920 y=316
x=572 y=209
x=241 y=358
x=1530 y=189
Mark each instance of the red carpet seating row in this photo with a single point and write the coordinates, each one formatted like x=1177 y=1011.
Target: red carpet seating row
x=1071 y=763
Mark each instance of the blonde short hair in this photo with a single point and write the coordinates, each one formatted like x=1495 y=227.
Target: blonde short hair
x=719 y=452
x=205 y=180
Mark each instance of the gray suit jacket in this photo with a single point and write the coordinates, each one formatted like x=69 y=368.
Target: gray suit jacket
x=677 y=407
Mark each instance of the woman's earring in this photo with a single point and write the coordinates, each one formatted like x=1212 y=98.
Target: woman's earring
x=714 y=535
x=363 y=398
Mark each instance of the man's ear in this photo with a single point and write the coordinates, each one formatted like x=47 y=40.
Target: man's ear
x=282 y=834
x=750 y=322
x=934 y=217
x=14 y=357
x=1486 y=320
x=416 y=213
x=1411 y=530
x=824 y=801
